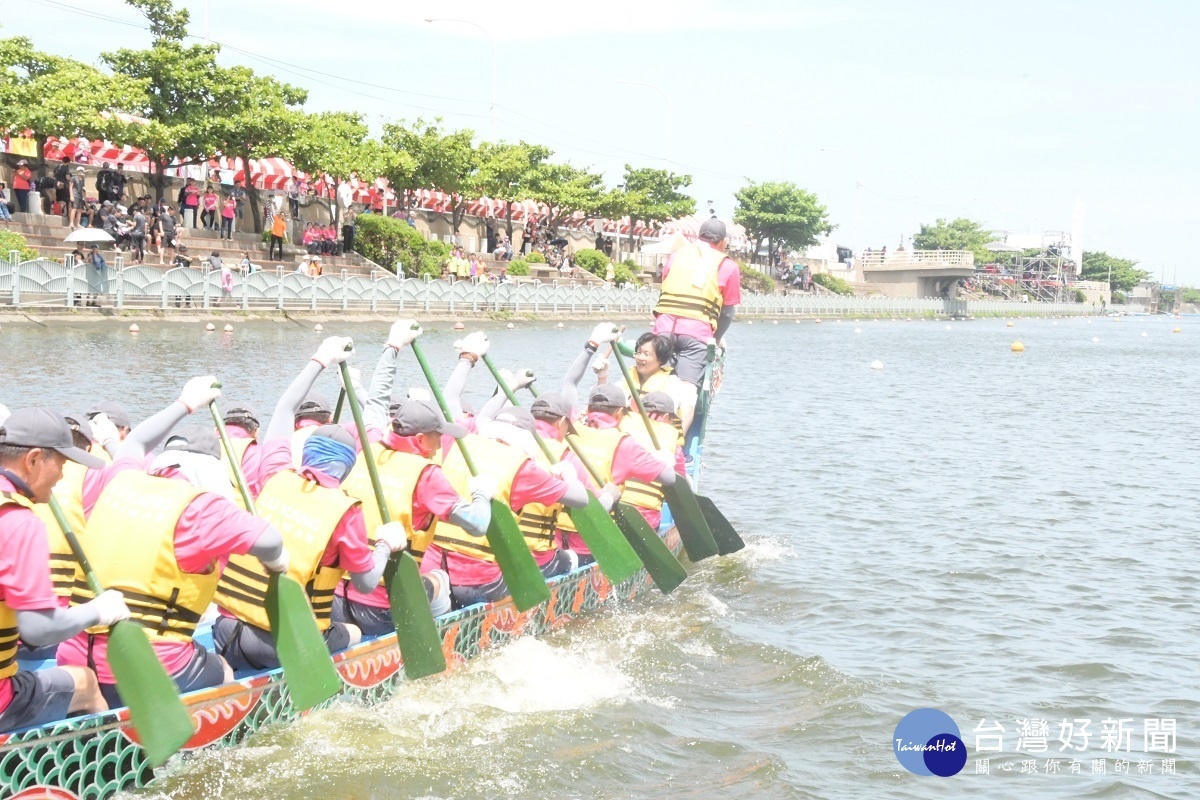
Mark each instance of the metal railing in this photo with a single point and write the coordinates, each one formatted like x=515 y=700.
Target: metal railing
x=917 y=259
x=43 y=283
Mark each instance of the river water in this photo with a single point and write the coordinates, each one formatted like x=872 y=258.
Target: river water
x=1001 y=536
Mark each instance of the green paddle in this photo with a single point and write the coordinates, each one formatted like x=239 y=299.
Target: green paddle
x=617 y=559
x=525 y=581
x=728 y=540
x=311 y=676
x=660 y=562
x=337 y=410
x=161 y=720
x=693 y=530
x=416 y=632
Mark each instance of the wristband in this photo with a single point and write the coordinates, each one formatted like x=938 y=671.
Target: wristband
x=474 y=359
x=321 y=363
x=591 y=346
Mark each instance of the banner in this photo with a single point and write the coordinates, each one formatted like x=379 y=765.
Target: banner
x=23 y=147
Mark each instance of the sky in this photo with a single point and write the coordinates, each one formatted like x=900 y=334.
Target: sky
x=1027 y=117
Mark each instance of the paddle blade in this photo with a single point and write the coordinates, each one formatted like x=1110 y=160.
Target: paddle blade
x=416 y=632
x=525 y=581
x=660 y=562
x=617 y=558
x=311 y=677
x=727 y=539
x=693 y=530
x=158 y=715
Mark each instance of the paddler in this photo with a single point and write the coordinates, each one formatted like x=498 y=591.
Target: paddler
x=35 y=444
x=162 y=537
x=701 y=288
x=323 y=530
x=115 y=413
x=505 y=451
x=647 y=496
x=241 y=423
x=415 y=489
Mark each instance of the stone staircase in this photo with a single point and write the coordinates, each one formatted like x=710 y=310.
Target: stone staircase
x=46 y=234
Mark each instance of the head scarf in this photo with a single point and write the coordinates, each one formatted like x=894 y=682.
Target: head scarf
x=329 y=456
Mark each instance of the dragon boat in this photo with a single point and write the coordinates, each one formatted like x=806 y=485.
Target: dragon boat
x=97 y=756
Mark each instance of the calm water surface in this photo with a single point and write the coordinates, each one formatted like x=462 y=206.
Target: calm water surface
x=1000 y=536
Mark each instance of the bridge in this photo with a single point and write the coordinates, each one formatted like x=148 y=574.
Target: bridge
x=918 y=273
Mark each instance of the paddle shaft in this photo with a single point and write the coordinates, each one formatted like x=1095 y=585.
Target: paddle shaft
x=583 y=459
x=512 y=398
x=337 y=410
x=637 y=398
x=76 y=548
x=234 y=463
x=441 y=401
x=361 y=427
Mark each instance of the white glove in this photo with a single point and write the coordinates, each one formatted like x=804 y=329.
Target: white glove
x=476 y=344
x=110 y=607
x=278 y=564
x=199 y=392
x=484 y=485
x=609 y=495
x=562 y=470
x=403 y=333
x=604 y=333
x=665 y=457
x=600 y=367
x=524 y=378
x=393 y=535
x=104 y=430
x=334 y=351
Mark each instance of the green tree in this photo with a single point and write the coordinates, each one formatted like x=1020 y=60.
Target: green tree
x=507 y=173
x=567 y=191
x=1098 y=265
x=656 y=196
x=428 y=157
x=781 y=213
x=337 y=144
x=54 y=96
x=960 y=234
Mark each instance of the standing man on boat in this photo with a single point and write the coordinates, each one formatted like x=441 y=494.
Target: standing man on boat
x=416 y=490
x=162 y=537
x=323 y=530
x=701 y=289
x=34 y=446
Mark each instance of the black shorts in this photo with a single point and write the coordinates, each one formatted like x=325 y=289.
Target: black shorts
x=564 y=561
x=370 y=620
x=691 y=358
x=202 y=672
x=38 y=697
x=247 y=647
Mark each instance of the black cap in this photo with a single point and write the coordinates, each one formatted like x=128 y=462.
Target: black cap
x=413 y=417
x=41 y=427
x=314 y=404
x=241 y=413
x=607 y=395
x=114 y=411
x=517 y=417
x=712 y=230
x=195 y=439
x=658 y=403
x=551 y=404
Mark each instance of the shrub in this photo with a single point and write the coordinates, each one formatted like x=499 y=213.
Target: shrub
x=1119 y=298
x=833 y=283
x=519 y=267
x=10 y=240
x=390 y=242
x=755 y=282
x=593 y=261
x=1080 y=297
x=623 y=275
x=534 y=258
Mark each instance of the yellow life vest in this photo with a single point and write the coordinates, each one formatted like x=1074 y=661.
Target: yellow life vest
x=307 y=514
x=660 y=381
x=536 y=521
x=691 y=289
x=599 y=446
x=495 y=459
x=64 y=570
x=398 y=475
x=133 y=527
x=642 y=493
x=8 y=616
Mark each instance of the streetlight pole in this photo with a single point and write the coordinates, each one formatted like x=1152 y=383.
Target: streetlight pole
x=493 y=41
x=670 y=117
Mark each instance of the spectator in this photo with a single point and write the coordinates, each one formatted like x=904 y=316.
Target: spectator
x=278 y=230
x=48 y=188
x=473 y=263
x=293 y=197
x=168 y=229
x=22 y=184
x=62 y=186
x=104 y=182
x=314 y=267
x=208 y=209
x=182 y=259
x=239 y=197
x=245 y=265
x=269 y=212
x=215 y=261
x=228 y=212
x=78 y=198
x=83 y=150
x=348 y=232
x=137 y=236
x=97 y=276
x=308 y=239
x=610 y=273
x=5 y=211
x=117 y=184
x=189 y=203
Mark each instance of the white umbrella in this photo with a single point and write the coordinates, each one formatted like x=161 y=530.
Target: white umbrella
x=88 y=235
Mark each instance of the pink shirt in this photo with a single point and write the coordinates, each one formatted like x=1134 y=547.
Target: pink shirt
x=730 y=281
x=251 y=459
x=24 y=567
x=433 y=498
x=531 y=484
x=210 y=529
